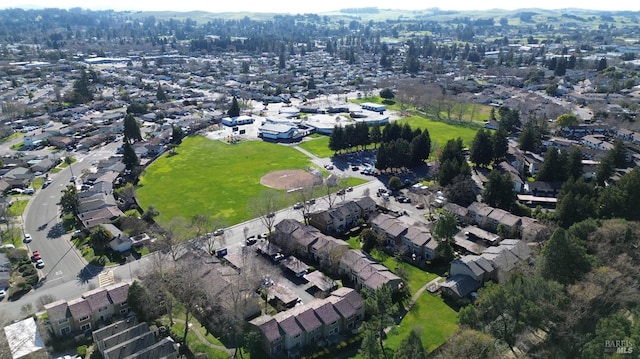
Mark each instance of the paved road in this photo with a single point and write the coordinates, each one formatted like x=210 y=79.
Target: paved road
x=42 y=220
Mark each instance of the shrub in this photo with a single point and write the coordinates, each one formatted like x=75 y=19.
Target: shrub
x=30 y=270
x=24 y=267
x=32 y=279
x=82 y=351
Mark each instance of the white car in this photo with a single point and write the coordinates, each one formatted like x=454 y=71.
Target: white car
x=39 y=264
x=29 y=191
x=27 y=238
x=218 y=232
x=2 y=294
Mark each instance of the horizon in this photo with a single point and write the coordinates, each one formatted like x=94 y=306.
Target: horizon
x=312 y=7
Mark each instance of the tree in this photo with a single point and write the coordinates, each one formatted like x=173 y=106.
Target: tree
x=129 y=157
x=69 y=200
x=100 y=237
x=131 y=129
x=146 y=306
x=369 y=239
x=461 y=191
x=564 y=258
x=376 y=135
x=387 y=93
x=186 y=285
x=552 y=168
x=68 y=160
x=500 y=145
x=576 y=202
x=445 y=229
x=160 y=94
x=602 y=64
x=150 y=214
x=420 y=147
x=619 y=154
x=176 y=135
x=566 y=120
x=529 y=138
x=481 y=149
x=621 y=199
x=395 y=183
x=499 y=191
x=234 y=111
x=411 y=347
x=369 y=348
x=382 y=310
x=82 y=92
x=468 y=343
x=265 y=207
x=574 y=165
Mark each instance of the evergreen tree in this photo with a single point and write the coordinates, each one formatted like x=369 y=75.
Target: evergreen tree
x=131 y=129
x=622 y=199
x=602 y=64
x=499 y=191
x=420 y=148
x=565 y=259
x=481 y=148
x=411 y=347
x=529 y=138
x=130 y=159
x=551 y=168
x=176 y=135
x=234 y=111
x=574 y=165
x=576 y=202
x=337 y=139
x=376 y=135
x=619 y=154
x=160 y=94
x=500 y=145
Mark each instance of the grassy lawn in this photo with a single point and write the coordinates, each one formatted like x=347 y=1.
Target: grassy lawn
x=194 y=343
x=434 y=320
x=416 y=277
x=99 y=257
x=215 y=179
x=12 y=236
x=441 y=132
x=37 y=182
x=17 y=207
x=11 y=137
x=319 y=146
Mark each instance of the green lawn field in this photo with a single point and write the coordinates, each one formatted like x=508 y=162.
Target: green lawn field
x=319 y=146
x=441 y=132
x=434 y=320
x=213 y=178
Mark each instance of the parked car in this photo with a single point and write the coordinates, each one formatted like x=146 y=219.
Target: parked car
x=72 y=179
x=420 y=206
x=349 y=189
x=39 y=264
x=2 y=294
x=218 y=232
x=27 y=238
x=297 y=205
x=341 y=192
x=251 y=240
x=17 y=191
x=311 y=201
x=36 y=255
x=46 y=183
x=29 y=191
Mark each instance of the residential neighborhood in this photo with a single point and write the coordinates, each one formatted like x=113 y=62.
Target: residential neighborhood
x=365 y=182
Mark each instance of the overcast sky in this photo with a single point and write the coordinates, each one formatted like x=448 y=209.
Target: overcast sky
x=318 y=6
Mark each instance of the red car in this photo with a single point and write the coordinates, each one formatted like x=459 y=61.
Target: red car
x=36 y=255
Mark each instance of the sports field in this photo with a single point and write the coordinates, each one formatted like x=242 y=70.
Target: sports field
x=213 y=178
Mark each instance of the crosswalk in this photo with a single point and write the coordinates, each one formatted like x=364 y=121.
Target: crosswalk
x=106 y=278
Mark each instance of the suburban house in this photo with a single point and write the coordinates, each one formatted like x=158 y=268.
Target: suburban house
x=306 y=241
x=420 y=244
x=390 y=228
x=237 y=121
x=365 y=272
x=89 y=310
x=469 y=272
x=344 y=216
x=491 y=218
x=598 y=142
x=317 y=322
x=129 y=339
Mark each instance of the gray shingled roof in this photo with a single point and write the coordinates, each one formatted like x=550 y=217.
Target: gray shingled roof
x=79 y=308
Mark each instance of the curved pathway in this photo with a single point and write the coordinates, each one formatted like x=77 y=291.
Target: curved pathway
x=204 y=340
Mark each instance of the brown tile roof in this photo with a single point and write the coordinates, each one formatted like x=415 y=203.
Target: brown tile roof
x=308 y=320
x=97 y=299
x=58 y=310
x=290 y=326
x=79 y=308
x=271 y=330
x=118 y=292
x=326 y=313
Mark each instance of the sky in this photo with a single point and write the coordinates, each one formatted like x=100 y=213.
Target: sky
x=316 y=6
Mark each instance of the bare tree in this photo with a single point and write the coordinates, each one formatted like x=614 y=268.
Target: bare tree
x=172 y=237
x=305 y=196
x=265 y=206
x=330 y=185
x=201 y=223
